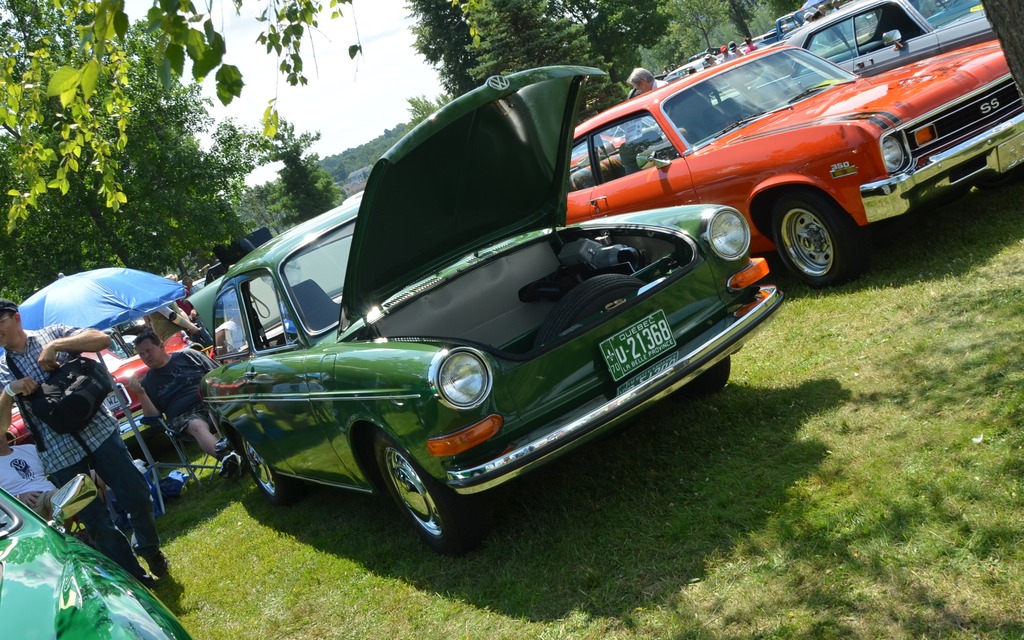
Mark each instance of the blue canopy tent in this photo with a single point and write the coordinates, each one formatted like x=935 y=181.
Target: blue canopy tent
x=810 y=4
x=102 y=299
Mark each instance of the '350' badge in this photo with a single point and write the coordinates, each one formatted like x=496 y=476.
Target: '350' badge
x=842 y=169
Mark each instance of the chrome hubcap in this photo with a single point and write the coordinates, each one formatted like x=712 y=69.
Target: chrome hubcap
x=807 y=242
x=263 y=475
x=413 y=493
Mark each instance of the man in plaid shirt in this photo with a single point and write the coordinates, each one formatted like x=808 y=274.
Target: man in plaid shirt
x=34 y=354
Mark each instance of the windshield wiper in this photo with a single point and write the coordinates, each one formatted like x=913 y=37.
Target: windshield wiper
x=810 y=91
x=742 y=121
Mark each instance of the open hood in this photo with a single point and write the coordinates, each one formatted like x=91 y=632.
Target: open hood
x=491 y=164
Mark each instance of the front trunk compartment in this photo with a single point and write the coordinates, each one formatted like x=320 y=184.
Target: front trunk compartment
x=501 y=302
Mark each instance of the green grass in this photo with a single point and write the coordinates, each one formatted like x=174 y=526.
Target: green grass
x=860 y=477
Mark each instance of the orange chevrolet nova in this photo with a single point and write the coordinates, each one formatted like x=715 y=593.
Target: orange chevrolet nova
x=810 y=153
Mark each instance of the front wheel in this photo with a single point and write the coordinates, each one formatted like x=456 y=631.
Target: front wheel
x=277 y=489
x=441 y=518
x=817 y=240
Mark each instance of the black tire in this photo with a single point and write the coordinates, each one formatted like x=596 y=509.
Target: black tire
x=587 y=298
x=817 y=240
x=710 y=382
x=447 y=522
x=278 y=490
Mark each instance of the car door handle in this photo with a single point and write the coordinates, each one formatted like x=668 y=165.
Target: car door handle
x=595 y=201
x=861 y=65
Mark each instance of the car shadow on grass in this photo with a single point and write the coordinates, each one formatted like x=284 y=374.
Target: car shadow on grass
x=622 y=523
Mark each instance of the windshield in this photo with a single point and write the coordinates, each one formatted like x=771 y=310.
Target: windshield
x=704 y=110
x=940 y=14
x=315 y=277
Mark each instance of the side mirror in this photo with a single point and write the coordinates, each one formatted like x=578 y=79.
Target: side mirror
x=894 y=38
x=643 y=158
x=73 y=497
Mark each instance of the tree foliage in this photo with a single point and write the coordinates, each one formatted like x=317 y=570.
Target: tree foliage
x=443 y=38
x=306 y=189
x=421 y=107
x=88 y=85
x=179 y=193
x=519 y=34
x=700 y=16
x=615 y=29
x=365 y=154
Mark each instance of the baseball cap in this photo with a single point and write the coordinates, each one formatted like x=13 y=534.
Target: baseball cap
x=7 y=305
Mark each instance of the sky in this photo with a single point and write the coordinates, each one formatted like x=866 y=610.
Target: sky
x=349 y=102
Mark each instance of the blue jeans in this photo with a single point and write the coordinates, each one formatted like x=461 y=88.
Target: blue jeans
x=113 y=464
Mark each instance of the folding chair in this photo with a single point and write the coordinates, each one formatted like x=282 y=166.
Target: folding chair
x=178 y=442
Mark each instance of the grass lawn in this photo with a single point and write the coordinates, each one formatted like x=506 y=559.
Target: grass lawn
x=859 y=477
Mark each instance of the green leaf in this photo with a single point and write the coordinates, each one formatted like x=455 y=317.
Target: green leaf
x=67 y=97
x=63 y=80
x=176 y=55
x=120 y=24
x=229 y=83
x=90 y=72
x=354 y=50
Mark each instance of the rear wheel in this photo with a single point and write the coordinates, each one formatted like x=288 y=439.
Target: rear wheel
x=817 y=240
x=279 y=490
x=598 y=293
x=441 y=518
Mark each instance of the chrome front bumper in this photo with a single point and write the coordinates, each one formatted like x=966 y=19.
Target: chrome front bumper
x=987 y=155
x=722 y=342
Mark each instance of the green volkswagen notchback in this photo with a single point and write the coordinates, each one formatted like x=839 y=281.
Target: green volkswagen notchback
x=448 y=333
x=53 y=586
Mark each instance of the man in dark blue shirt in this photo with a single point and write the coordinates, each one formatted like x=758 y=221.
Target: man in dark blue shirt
x=171 y=388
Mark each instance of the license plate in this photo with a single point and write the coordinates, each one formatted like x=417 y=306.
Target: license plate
x=112 y=402
x=1010 y=154
x=637 y=344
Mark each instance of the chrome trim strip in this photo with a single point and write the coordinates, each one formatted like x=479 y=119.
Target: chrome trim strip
x=596 y=421
x=899 y=194
x=313 y=397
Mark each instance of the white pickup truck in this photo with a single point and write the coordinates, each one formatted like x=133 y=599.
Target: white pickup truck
x=873 y=36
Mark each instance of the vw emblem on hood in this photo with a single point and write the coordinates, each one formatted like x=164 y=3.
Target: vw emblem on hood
x=498 y=83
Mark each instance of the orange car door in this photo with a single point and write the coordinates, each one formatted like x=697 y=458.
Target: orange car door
x=638 y=168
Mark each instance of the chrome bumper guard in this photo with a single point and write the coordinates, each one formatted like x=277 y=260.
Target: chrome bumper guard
x=594 y=422
x=989 y=154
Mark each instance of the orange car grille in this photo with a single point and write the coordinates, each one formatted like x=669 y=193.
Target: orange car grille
x=965 y=119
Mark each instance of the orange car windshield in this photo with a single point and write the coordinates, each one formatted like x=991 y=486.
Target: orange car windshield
x=728 y=99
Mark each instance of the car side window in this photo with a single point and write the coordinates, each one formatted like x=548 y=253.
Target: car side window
x=630 y=146
x=580 y=176
x=836 y=43
x=229 y=333
x=270 y=322
x=870 y=26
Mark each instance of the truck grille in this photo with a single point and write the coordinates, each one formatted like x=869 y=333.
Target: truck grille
x=971 y=116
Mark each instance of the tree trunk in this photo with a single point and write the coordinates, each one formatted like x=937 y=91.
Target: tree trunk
x=1007 y=18
x=738 y=15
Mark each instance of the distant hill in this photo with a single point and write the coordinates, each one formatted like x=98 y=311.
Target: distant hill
x=347 y=167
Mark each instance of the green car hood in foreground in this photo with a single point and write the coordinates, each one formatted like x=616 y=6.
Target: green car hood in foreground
x=489 y=165
x=52 y=586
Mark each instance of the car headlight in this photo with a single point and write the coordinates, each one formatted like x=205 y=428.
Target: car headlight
x=893 y=154
x=728 y=234
x=461 y=378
